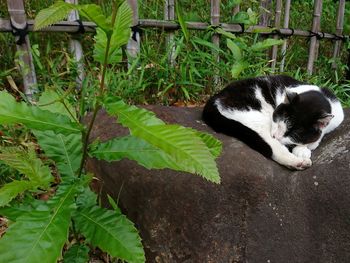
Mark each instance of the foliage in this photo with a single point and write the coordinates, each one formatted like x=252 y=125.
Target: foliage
x=40 y=228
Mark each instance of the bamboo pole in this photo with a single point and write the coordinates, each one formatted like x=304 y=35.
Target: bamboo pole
x=71 y=27
x=285 y=25
x=215 y=21
x=75 y=48
x=169 y=15
x=236 y=9
x=277 y=25
x=265 y=6
x=19 y=21
x=133 y=46
x=314 y=41
x=339 y=31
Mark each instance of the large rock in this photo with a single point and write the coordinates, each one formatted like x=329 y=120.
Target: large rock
x=261 y=212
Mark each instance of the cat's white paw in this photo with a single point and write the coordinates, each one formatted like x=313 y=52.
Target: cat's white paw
x=300 y=164
x=302 y=152
x=303 y=164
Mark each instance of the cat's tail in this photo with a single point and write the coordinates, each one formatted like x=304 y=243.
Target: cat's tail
x=219 y=123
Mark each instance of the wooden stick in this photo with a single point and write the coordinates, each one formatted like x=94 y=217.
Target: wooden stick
x=277 y=25
x=265 y=6
x=169 y=15
x=71 y=27
x=75 y=48
x=285 y=25
x=215 y=21
x=338 y=31
x=133 y=46
x=314 y=41
x=19 y=21
x=236 y=10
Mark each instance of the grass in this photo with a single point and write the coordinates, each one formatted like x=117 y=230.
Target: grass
x=151 y=79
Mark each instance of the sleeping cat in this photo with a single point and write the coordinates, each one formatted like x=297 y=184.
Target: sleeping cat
x=273 y=113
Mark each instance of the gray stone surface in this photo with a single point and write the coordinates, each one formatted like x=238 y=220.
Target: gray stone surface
x=261 y=212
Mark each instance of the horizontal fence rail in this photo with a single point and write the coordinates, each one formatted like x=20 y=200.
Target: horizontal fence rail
x=73 y=27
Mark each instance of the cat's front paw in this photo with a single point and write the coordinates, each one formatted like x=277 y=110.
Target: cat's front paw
x=303 y=164
x=299 y=163
x=302 y=152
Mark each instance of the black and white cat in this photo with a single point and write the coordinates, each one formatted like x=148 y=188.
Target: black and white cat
x=272 y=113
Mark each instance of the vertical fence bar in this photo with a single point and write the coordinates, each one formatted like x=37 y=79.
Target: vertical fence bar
x=314 y=41
x=236 y=9
x=215 y=21
x=265 y=6
x=285 y=25
x=19 y=22
x=277 y=26
x=75 y=47
x=133 y=46
x=339 y=31
x=169 y=15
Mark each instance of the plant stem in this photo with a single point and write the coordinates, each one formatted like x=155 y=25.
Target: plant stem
x=102 y=89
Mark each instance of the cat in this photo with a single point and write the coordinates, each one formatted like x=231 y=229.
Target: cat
x=280 y=117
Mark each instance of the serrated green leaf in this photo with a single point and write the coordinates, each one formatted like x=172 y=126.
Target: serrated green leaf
x=78 y=253
x=28 y=164
x=135 y=149
x=53 y=14
x=114 y=56
x=40 y=234
x=11 y=190
x=33 y=117
x=235 y=49
x=183 y=145
x=111 y=232
x=66 y=151
x=267 y=43
x=95 y=14
x=120 y=36
x=214 y=145
x=49 y=100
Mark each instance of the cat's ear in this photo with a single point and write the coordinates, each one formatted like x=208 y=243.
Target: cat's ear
x=324 y=120
x=291 y=97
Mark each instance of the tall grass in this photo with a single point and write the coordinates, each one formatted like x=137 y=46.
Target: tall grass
x=151 y=79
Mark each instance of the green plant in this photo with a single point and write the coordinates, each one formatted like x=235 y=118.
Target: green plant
x=40 y=228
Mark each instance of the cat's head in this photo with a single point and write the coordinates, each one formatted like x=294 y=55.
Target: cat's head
x=301 y=118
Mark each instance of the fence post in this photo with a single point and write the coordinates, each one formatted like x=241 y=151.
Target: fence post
x=277 y=26
x=265 y=6
x=339 y=31
x=314 y=41
x=75 y=47
x=19 y=26
x=285 y=25
x=215 y=21
x=133 y=46
x=169 y=15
